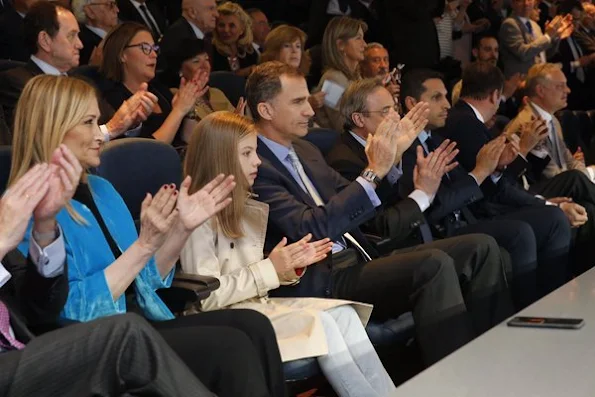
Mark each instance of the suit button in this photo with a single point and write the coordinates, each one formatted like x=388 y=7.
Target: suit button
x=231 y=245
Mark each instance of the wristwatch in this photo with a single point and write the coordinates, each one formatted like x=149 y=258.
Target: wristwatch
x=370 y=176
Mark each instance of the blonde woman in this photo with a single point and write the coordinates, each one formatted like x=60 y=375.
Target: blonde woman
x=232 y=41
x=113 y=270
x=343 y=47
x=230 y=247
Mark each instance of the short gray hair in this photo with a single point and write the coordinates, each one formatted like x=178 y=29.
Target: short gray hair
x=371 y=46
x=78 y=9
x=354 y=99
x=539 y=74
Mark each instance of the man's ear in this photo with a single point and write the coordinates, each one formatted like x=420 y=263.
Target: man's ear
x=44 y=41
x=495 y=97
x=357 y=119
x=410 y=102
x=265 y=111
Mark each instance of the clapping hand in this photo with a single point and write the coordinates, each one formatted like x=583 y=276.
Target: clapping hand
x=17 y=205
x=133 y=111
x=430 y=169
x=288 y=258
x=410 y=127
x=157 y=216
x=196 y=208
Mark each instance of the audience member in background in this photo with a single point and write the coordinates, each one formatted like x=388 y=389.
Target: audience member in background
x=129 y=61
x=343 y=47
x=585 y=33
x=112 y=270
x=335 y=333
x=199 y=18
x=260 y=28
x=33 y=293
x=144 y=12
x=190 y=60
x=306 y=196
x=577 y=64
x=494 y=11
x=522 y=42
x=486 y=49
x=95 y=18
x=286 y=44
x=465 y=124
x=554 y=170
x=462 y=44
x=12 y=26
x=376 y=64
x=51 y=35
x=412 y=38
x=232 y=41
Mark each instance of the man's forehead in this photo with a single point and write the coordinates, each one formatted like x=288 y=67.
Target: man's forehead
x=380 y=96
x=489 y=42
x=433 y=86
x=294 y=86
x=377 y=52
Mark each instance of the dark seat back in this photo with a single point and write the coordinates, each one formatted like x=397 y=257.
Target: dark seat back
x=323 y=138
x=137 y=166
x=7 y=64
x=232 y=85
x=5 y=160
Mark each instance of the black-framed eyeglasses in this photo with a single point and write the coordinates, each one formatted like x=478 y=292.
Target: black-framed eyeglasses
x=146 y=48
x=110 y=4
x=385 y=110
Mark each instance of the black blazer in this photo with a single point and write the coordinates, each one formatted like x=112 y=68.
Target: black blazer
x=457 y=191
x=34 y=302
x=293 y=213
x=463 y=127
x=90 y=40
x=412 y=36
x=129 y=13
x=12 y=82
x=12 y=45
x=399 y=216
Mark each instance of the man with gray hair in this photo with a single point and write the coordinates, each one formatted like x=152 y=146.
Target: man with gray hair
x=375 y=65
x=554 y=171
x=95 y=18
x=198 y=21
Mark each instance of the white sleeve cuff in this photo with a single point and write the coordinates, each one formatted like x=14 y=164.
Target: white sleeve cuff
x=50 y=260
x=495 y=177
x=4 y=276
x=105 y=132
x=591 y=172
x=421 y=198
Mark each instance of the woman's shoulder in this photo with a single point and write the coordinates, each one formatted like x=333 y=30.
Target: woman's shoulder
x=335 y=75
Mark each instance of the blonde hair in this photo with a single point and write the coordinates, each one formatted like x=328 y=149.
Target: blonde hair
x=212 y=150
x=48 y=108
x=340 y=28
x=244 y=43
x=281 y=35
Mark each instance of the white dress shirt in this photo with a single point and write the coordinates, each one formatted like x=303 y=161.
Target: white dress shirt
x=46 y=68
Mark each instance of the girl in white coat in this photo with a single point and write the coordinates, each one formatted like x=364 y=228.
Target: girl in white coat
x=230 y=247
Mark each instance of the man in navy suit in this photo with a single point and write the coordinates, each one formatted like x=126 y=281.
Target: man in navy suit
x=306 y=196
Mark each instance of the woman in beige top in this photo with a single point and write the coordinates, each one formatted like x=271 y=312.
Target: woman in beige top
x=230 y=247
x=343 y=48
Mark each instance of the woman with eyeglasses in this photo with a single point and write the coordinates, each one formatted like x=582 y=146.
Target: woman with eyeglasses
x=129 y=62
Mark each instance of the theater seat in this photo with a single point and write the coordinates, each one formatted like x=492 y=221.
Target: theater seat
x=391 y=333
x=232 y=85
x=323 y=138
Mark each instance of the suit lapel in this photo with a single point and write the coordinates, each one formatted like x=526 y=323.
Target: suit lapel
x=266 y=153
x=310 y=163
x=355 y=146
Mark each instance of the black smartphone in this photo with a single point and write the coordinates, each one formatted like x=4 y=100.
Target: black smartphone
x=547 y=322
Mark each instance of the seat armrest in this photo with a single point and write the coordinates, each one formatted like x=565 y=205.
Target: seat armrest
x=202 y=286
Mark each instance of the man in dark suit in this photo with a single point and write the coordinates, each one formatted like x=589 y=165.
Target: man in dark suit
x=33 y=293
x=12 y=45
x=54 y=53
x=306 y=196
x=144 y=12
x=198 y=21
x=95 y=20
x=584 y=34
x=465 y=124
x=409 y=24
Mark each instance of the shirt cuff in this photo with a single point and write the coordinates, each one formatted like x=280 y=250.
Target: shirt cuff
x=495 y=177
x=395 y=174
x=51 y=259
x=547 y=36
x=4 y=275
x=421 y=198
x=370 y=191
x=105 y=132
x=591 y=172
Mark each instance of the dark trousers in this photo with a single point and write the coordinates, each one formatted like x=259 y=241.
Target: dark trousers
x=518 y=239
x=576 y=185
x=439 y=282
x=114 y=356
x=233 y=352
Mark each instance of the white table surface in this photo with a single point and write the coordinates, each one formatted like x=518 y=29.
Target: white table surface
x=524 y=362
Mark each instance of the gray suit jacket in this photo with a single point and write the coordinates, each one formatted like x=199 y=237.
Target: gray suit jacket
x=519 y=49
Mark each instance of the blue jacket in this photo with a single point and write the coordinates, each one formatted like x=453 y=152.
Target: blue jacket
x=88 y=255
